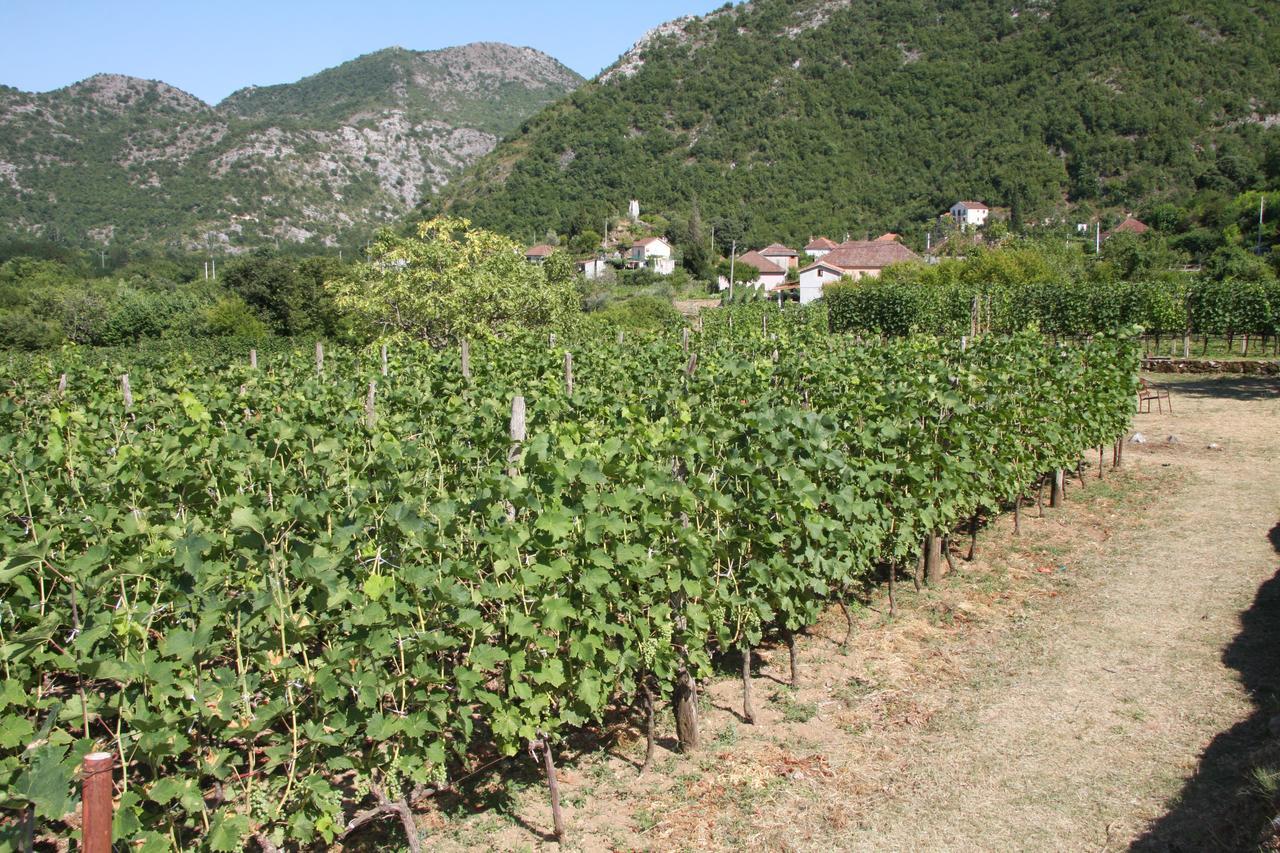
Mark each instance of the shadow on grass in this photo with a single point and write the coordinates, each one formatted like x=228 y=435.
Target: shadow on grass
x=1218 y=809
x=1244 y=388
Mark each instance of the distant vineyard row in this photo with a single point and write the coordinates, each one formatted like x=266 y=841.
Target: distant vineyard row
x=282 y=593
x=1200 y=306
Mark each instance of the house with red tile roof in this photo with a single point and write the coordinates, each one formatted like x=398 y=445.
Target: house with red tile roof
x=819 y=247
x=784 y=257
x=854 y=259
x=654 y=253
x=1130 y=225
x=538 y=254
x=771 y=276
x=970 y=213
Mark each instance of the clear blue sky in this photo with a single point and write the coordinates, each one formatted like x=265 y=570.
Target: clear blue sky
x=212 y=49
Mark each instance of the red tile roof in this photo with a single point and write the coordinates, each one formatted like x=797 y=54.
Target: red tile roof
x=1132 y=226
x=779 y=249
x=760 y=262
x=868 y=254
x=888 y=237
x=540 y=251
x=821 y=243
x=972 y=205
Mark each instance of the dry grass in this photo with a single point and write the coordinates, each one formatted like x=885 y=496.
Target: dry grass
x=1056 y=693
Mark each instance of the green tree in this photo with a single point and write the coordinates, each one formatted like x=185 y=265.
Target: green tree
x=453 y=281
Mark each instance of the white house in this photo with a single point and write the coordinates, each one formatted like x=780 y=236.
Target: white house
x=771 y=275
x=819 y=247
x=654 y=253
x=854 y=259
x=967 y=213
x=592 y=268
x=779 y=254
x=538 y=254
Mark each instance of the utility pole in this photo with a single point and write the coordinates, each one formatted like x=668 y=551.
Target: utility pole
x=1262 y=206
x=1097 y=237
x=733 y=256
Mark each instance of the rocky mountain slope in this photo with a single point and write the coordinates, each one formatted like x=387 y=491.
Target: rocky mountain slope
x=788 y=118
x=117 y=160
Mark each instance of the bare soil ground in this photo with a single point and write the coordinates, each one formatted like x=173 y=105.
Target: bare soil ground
x=1103 y=681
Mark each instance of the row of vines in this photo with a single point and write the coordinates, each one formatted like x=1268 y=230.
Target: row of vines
x=284 y=593
x=1187 y=305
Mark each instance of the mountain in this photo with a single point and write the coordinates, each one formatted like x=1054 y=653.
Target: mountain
x=789 y=118
x=117 y=160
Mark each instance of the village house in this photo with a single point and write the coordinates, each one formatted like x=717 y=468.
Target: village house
x=780 y=255
x=654 y=253
x=1130 y=225
x=970 y=213
x=771 y=276
x=591 y=268
x=820 y=247
x=854 y=259
x=538 y=254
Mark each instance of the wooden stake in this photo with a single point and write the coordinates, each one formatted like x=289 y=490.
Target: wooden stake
x=517 y=438
x=893 y=600
x=748 y=710
x=319 y=357
x=568 y=374
x=684 y=341
x=685 y=701
x=1059 y=488
x=932 y=558
x=466 y=360
x=649 y=724
x=549 y=764
x=793 y=654
x=370 y=412
x=126 y=392
x=62 y=384
x=1100 y=465
x=973 y=536
x=384 y=359
x=253 y=358
x=1017 y=515
x=96 y=804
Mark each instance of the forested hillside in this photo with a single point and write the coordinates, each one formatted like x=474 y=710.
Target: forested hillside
x=786 y=119
x=116 y=161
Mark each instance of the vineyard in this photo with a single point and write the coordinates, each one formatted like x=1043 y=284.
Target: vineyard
x=287 y=593
x=1169 y=309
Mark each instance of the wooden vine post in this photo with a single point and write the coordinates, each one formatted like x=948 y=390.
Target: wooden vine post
x=319 y=357
x=253 y=358
x=384 y=359
x=568 y=374
x=517 y=439
x=932 y=558
x=370 y=412
x=62 y=384
x=684 y=340
x=1057 y=492
x=96 y=802
x=685 y=696
x=126 y=391
x=748 y=710
x=466 y=360
x=549 y=766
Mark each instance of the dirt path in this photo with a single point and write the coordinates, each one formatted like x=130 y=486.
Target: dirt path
x=1106 y=708
x=1085 y=686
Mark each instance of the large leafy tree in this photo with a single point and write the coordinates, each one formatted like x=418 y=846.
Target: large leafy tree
x=453 y=281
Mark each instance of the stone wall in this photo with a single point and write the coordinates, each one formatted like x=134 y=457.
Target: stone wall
x=1211 y=365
